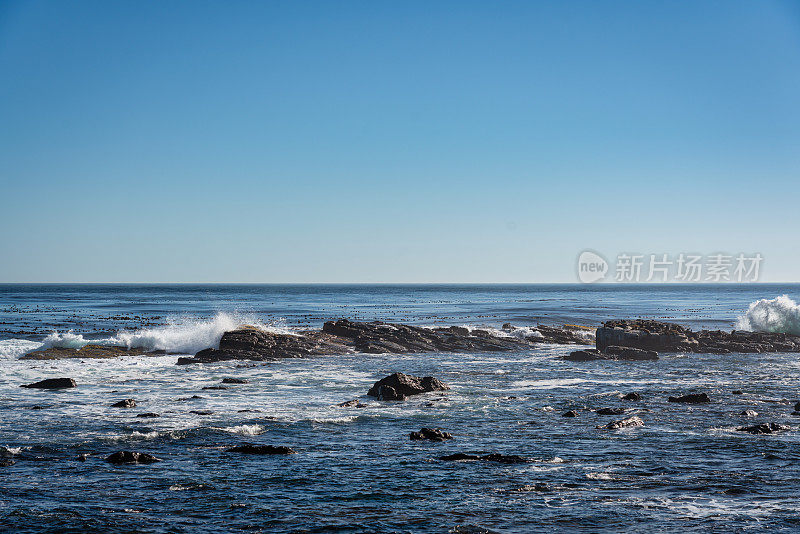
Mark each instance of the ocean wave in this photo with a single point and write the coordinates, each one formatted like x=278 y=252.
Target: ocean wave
x=245 y=430
x=14 y=348
x=781 y=314
x=180 y=336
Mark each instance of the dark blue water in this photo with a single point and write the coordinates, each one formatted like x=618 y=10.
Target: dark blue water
x=356 y=470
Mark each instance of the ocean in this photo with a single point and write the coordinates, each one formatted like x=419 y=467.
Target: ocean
x=356 y=471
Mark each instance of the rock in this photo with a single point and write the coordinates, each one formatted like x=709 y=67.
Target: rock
x=82 y=457
x=355 y=403
x=633 y=396
x=693 y=398
x=215 y=387
x=235 y=381
x=53 y=383
x=431 y=434
x=494 y=457
x=736 y=392
x=624 y=423
x=571 y=413
x=6 y=462
x=797 y=407
x=630 y=353
x=668 y=337
x=397 y=386
x=610 y=411
x=148 y=415
x=201 y=412
x=249 y=448
x=763 y=428
x=585 y=355
x=749 y=413
x=86 y=352
x=128 y=457
x=127 y=403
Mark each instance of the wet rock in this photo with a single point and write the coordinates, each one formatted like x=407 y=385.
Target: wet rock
x=430 y=434
x=797 y=407
x=749 y=413
x=397 y=386
x=630 y=353
x=571 y=413
x=216 y=387
x=129 y=457
x=248 y=410
x=52 y=383
x=585 y=355
x=249 y=448
x=692 y=398
x=235 y=381
x=610 y=411
x=624 y=423
x=87 y=352
x=763 y=428
x=737 y=392
x=201 y=412
x=355 y=403
x=82 y=457
x=668 y=337
x=127 y=403
x=148 y=415
x=493 y=457
x=6 y=462
x=633 y=396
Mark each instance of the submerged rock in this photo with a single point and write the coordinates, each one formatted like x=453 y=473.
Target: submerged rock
x=571 y=413
x=249 y=448
x=610 y=411
x=633 y=396
x=52 y=383
x=692 y=398
x=624 y=423
x=216 y=387
x=430 y=434
x=127 y=403
x=749 y=413
x=763 y=428
x=397 y=386
x=6 y=462
x=148 y=415
x=129 y=457
x=235 y=381
x=493 y=457
x=355 y=403
x=611 y=353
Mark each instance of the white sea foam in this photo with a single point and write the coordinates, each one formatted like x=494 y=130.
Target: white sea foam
x=180 y=336
x=245 y=430
x=781 y=314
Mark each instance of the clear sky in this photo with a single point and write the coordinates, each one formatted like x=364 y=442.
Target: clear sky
x=386 y=141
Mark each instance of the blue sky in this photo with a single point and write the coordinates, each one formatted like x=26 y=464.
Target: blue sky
x=392 y=141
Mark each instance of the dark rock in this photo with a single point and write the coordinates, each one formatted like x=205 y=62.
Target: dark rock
x=693 y=398
x=630 y=353
x=610 y=411
x=797 y=407
x=235 y=381
x=736 y=392
x=355 y=403
x=82 y=457
x=571 y=413
x=201 y=412
x=183 y=360
x=398 y=386
x=624 y=423
x=6 y=462
x=52 y=383
x=128 y=457
x=148 y=415
x=633 y=396
x=763 y=428
x=249 y=410
x=585 y=355
x=749 y=413
x=248 y=448
x=127 y=403
x=431 y=434
x=494 y=457
x=216 y=387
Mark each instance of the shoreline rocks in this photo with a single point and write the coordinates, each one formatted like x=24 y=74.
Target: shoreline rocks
x=692 y=398
x=249 y=448
x=127 y=403
x=430 y=434
x=129 y=457
x=623 y=423
x=89 y=351
x=763 y=428
x=398 y=386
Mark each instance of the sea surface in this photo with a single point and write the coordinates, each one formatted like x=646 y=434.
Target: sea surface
x=356 y=471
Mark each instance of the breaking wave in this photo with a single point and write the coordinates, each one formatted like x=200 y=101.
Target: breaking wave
x=180 y=336
x=781 y=314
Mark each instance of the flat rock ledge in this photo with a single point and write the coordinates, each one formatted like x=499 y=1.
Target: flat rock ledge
x=344 y=336
x=87 y=352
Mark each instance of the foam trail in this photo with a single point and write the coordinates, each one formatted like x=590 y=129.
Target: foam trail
x=780 y=314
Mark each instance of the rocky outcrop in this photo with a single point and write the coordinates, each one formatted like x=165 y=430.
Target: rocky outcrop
x=668 y=337
x=129 y=457
x=148 y=415
x=127 y=403
x=249 y=448
x=632 y=396
x=52 y=383
x=87 y=352
x=692 y=398
x=234 y=381
x=355 y=403
x=610 y=411
x=493 y=457
x=571 y=413
x=430 y=434
x=763 y=428
x=345 y=336
x=398 y=386
x=624 y=423
x=613 y=352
